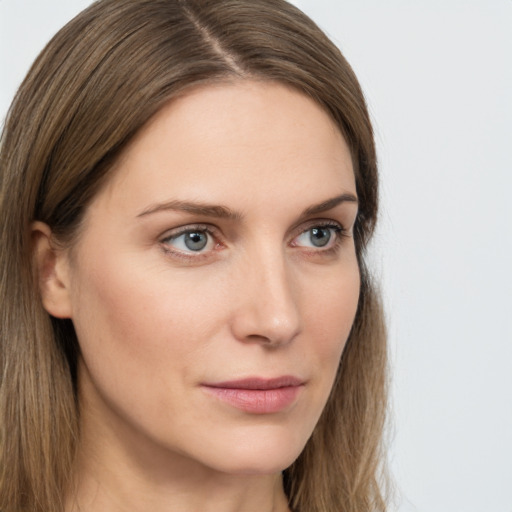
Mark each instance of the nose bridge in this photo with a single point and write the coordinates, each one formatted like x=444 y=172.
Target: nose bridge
x=268 y=308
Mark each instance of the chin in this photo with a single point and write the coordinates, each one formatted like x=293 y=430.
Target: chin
x=259 y=465
x=264 y=451
x=262 y=463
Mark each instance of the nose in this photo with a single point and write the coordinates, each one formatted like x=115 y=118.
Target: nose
x=266 y=309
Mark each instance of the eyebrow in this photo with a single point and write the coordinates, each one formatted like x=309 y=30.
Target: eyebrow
x=207 y=210
x=223 y=212
x=330 y=204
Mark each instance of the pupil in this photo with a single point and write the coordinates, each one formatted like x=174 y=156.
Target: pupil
x=195 y=241
x=320 y=236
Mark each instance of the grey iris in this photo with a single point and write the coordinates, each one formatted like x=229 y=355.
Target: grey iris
x=195 y=240
x=320 y=236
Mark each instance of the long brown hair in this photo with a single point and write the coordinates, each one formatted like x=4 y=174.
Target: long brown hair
x=99 y=80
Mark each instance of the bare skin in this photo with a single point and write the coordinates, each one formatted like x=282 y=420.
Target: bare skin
x=220 y=251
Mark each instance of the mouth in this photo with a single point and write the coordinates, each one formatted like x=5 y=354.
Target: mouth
x=258 y=395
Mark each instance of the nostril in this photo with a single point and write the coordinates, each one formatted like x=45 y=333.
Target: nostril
x=265 y=323
x=266 y=310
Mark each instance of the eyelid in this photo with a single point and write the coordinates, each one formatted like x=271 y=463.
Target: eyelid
x=333 y=244
x=320 y=223
x=174 y=233
x=218 y=239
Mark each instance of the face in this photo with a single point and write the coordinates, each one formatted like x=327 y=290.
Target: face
x=214 y=282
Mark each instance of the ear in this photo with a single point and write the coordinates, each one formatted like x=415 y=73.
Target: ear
x=52 y=266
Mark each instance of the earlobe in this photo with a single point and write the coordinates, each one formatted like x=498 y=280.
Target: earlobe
x=52 y=267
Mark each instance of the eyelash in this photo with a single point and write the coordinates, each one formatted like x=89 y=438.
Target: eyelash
x=190 y=256
x=339 y=233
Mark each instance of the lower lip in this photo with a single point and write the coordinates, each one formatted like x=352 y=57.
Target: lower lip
x=257 y=401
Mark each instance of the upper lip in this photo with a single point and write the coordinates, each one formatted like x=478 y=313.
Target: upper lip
x=258 y=383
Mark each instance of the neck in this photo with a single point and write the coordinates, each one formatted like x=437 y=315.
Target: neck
x=120 y=470
x=100 y=488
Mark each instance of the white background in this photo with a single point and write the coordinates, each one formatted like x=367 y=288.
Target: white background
x=438 y=78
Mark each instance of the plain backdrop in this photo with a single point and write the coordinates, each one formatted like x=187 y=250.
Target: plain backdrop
x=438 y=79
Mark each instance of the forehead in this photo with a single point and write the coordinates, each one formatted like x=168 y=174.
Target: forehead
x=232 y=142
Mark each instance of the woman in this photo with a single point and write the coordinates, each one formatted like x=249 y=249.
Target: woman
x=188 y=189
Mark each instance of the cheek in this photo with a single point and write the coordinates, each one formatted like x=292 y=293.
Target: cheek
x=331 y=309
x=328 y=315
x=136 y=321
x=136 y=343
x=114 y=319
x=147 y=333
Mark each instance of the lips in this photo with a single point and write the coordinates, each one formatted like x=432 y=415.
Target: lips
x=257 y=395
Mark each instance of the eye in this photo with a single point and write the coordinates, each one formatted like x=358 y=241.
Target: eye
x=320 y=237
x=191 y=240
